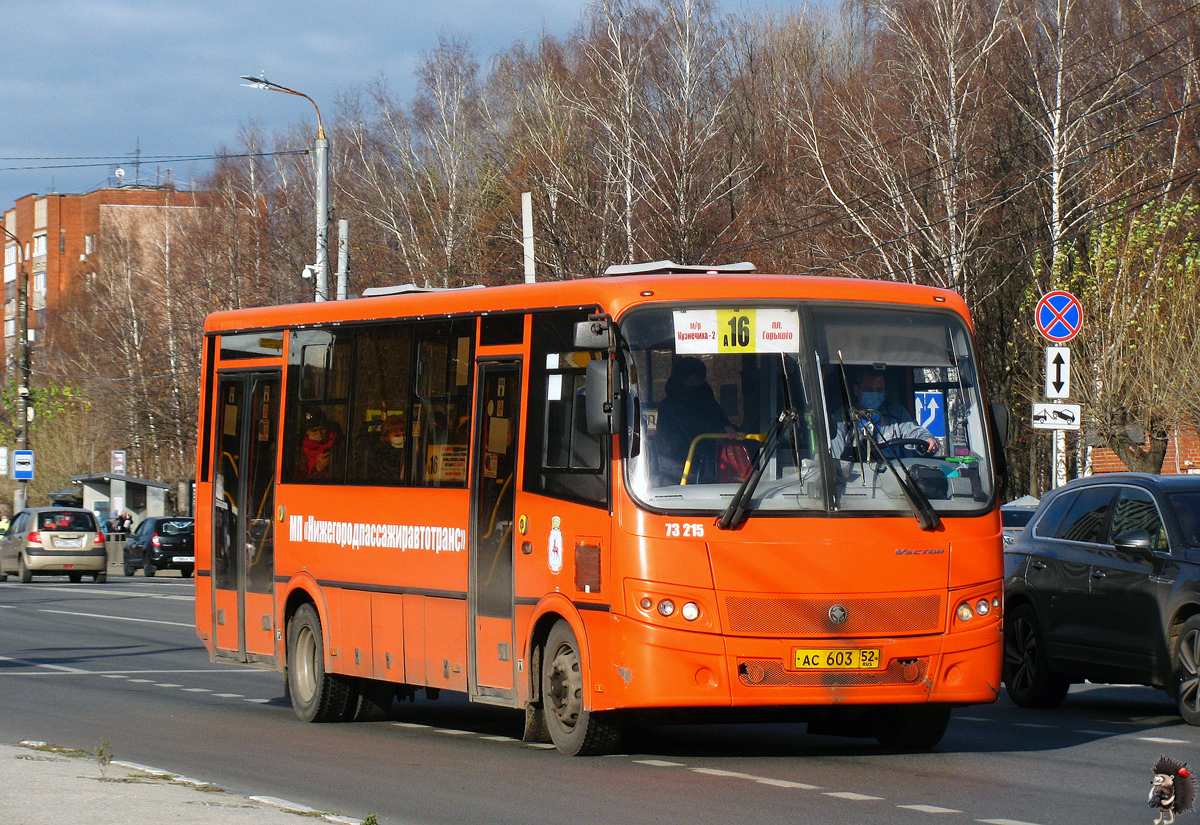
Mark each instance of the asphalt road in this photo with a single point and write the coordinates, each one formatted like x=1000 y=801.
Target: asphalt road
x=120 y=663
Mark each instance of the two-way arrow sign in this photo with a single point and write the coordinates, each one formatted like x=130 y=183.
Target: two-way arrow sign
x=1058 y=372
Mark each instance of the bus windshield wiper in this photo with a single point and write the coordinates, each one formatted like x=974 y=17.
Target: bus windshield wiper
x=923 y=511
x=736 y=512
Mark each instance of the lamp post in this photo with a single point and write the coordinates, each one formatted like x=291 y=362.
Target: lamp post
x=322 y=154
x=20 y=496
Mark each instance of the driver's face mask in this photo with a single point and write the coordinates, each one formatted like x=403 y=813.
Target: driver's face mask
x=872 y=400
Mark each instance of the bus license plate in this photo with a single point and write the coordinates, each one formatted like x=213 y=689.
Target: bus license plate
x=859 y=658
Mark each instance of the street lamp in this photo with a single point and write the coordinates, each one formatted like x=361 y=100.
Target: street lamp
x=21 y=494
x=322 y=153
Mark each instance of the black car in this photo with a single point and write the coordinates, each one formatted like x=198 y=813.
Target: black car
x=1104 y=585
x=162 y=543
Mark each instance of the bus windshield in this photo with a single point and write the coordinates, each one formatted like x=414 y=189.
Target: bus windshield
x=824 y=407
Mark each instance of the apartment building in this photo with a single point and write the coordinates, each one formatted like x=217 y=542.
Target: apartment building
x=57 y=237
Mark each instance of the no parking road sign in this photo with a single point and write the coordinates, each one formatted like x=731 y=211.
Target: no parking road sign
x=1059 y=316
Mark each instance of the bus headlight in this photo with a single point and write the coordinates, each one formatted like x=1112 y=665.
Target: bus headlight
x=983 y=607
x=690 y=611
x=965 y=613
x=666 y=607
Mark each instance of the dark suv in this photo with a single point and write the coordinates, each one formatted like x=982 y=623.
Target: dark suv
x=161 y=543
x=1104 y=585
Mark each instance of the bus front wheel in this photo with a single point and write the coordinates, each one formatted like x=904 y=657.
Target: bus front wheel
x=316 y=696
x=574 y=730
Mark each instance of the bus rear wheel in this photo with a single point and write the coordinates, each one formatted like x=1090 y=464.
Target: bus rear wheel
x=574 y=730
x=316 y=696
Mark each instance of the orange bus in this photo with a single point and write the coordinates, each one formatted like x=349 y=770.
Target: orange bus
x=729 y=494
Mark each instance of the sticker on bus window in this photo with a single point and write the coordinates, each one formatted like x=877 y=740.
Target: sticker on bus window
x=759 y=330
x=555 y=548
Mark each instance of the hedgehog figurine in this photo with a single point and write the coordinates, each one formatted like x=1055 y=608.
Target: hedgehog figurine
x=1172 y=790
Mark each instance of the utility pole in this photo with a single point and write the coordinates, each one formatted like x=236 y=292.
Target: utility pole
x=321 y=150
x=21 y=362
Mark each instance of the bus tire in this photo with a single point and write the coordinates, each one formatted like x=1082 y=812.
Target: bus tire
x=912 y=727
x=574 y=730
x=372 y=700
x=316 y=696
x=1027 y=676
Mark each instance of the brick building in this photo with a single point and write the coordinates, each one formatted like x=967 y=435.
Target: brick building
x=1183 y=455
x=59 y=234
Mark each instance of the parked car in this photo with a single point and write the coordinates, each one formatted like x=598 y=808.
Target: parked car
x=1104 y=585
x=53 y=540
x=161 y=543
x=1015 y=515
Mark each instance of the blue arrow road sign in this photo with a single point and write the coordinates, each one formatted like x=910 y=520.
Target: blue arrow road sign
x=931 y=412
x=23 y=465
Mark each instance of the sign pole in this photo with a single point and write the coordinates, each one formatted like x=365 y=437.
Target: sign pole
x=1059 y=317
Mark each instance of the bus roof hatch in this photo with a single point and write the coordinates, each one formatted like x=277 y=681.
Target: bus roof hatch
x=670 y=267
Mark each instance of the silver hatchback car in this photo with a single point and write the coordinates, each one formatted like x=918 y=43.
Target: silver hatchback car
x=54 y=540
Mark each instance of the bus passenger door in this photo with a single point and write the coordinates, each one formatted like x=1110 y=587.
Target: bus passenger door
x=493 y=486
x=243 y=508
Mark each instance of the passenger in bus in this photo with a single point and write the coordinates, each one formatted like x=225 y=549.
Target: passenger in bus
x=321 y=440
x=688 y=409
x=385 y=455
x=868 y=390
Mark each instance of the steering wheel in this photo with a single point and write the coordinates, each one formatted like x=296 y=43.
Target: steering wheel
x=919 y=444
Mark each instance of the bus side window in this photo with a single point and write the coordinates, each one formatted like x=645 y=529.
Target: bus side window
x=562 y=459
x=440 y=414
x=378 y=434
x=316 y=428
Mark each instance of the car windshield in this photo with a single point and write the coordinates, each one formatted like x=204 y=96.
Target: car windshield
x=67 y=521
x=1187 y=513
x=823 y=407
x=175 y=528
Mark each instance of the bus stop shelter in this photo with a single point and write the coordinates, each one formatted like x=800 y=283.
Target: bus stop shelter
x=106 y=493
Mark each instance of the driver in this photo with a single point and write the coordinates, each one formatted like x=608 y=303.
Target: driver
x=869 y=392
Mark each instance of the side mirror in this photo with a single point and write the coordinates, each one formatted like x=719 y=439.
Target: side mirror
x=1135 y=541
x=602 y=414
x=593 y=335
x=1000 y=420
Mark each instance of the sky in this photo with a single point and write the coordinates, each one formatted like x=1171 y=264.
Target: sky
x=84 y=82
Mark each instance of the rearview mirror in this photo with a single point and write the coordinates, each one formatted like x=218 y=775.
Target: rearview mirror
x=601 y=411
x=1000 y=420
x=1135 y=541
x=593 y=335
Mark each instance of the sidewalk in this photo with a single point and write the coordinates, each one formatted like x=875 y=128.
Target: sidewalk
x=42 y=784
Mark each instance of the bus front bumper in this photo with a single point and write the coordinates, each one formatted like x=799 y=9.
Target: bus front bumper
x=656 y=667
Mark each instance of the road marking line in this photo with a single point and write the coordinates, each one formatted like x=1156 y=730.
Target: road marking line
x=929 y=809
x=166 y=685
x=726 y=774
x=1031 y=725
x=259 y=701
x=56 y=668
x=117 y=618
x=197 y=690
x=658 y=763
x=542 y=746
x=108 y=592
x=114 y=676
x=450 y=732
x=143 y=681
x=408 y=725
x=784 y=783
x=855 y=797
x=1005 y=822
x=498 y=738
x=1164 y=741
x=230 y=695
